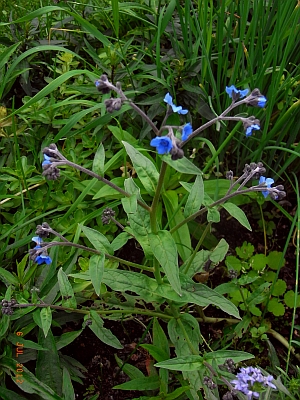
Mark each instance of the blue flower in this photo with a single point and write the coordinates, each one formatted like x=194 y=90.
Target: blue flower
x=37 y=240
x=261 y=101
x=168 y=99
x=249 y=376
x=43 y=258
x=233 y=91
x=268 y=182
x=186 y=131
x=163 y=144
x=46 y=160
x=250 y=129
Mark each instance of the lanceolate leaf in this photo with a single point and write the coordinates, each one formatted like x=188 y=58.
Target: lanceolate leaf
x=165 y=251
x=96 y=268
x=146 y=383
x=183 y=165
x=99 y=160
x=238 y=214
x=46 y=319
x=195 y=198
x=66 y=290
x=145 y=169
x=102 y=333
x=98 y=240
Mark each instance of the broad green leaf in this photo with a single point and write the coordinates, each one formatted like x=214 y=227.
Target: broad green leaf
x=106 y=191
x=145 y=168
x=146 y=383
x=96 y=269
x=195 y=198
x=48 y=368
x=66 y=290
x=46 y=319
x=120 y=240
x=160 y=339
x=155 y=352
x=197 y=264
x=66 y=338
x=279 y=288
x=276 y=307
x=121 y=134
x=275 y=260
x=238 y=214
x=182 y=165
x=130 y=204
x=21 y=267
x=187 y=363
x=164 y=249
x=140 y=284
x=289 y=299
x=129 y=369
x=6 y=394
x=98 y=240
x=8 y=278
x=4 y=324
x=67 y=386
x=219 y=253
x=182 y=235
x=102 y=333
x=28 y=382
x=220 y=356
x=198 y=293
x=28 y=344
x=99 y=161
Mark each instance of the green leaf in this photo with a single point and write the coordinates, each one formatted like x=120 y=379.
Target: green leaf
x=238 y=214
x=67 y=386
x=279 y=288
x=195 y=198
x=146 y=383
x=9 y=395
x=4 y=325
x=220 y=356
x=48 y=368
x=99 y=160
x=197 y=264
x=275 y=260
x=8 y=278
x=182 y=165
x=164 y=249
x=145 y=169
x=120 y=240
x=66 y=290
x=96 y=269
x=219 y=253
x=182 y=235
x=130 y=204
x=66 y=338
x=102 y=333
x=245 y=251
x=258 y=262
x=21 y=267
x=129 y=369
x=187 y=363
x=276 y=308
x=28 y=382
x=98 y=240
x=28 y=344
x=46 y=319
x=289 y=299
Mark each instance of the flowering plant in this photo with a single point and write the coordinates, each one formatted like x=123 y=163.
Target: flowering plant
x=162 y=282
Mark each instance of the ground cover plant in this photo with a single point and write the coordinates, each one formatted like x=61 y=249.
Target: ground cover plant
x=127 y=131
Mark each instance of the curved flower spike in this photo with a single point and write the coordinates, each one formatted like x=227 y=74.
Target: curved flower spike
x=168 y=99
x=163 y=144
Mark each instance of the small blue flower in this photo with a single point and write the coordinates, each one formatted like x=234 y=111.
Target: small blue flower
x=261 y=101
x=37 y=240
x=232 y=89
x=163 y=144
x=46 y=160
x=250 y=129
x=186 y=131
x=42 y=258
x=268 y=182
x=168 y=99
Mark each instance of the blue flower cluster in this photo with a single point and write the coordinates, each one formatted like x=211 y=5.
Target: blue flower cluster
x=232 y=91
x=164 y=144
x=43 y=257
x=255 y=99
x=249 y=377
